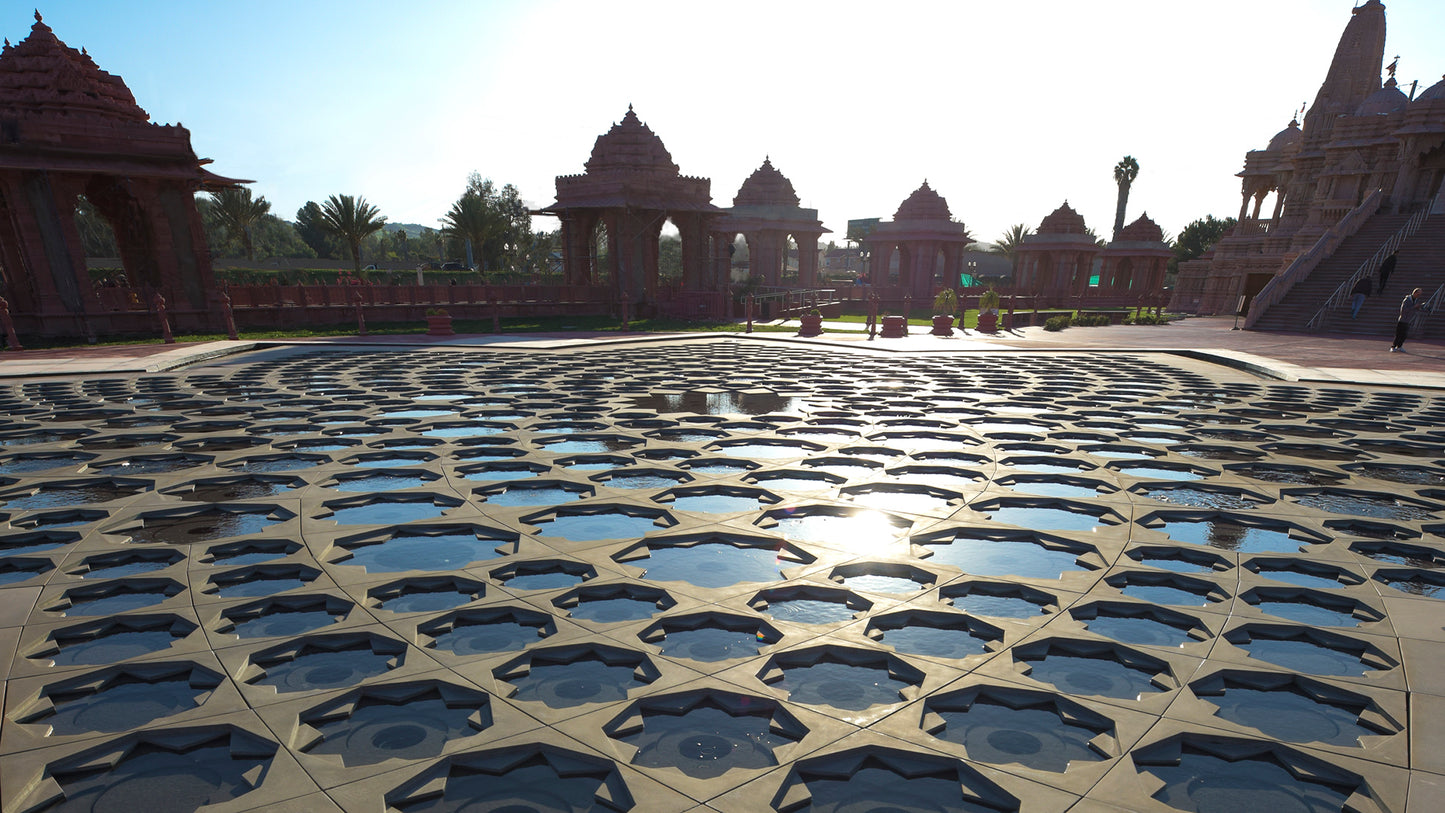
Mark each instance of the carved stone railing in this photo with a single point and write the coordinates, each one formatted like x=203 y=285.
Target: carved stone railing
x=1305 y=264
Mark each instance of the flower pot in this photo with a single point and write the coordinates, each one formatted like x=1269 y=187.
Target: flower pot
x=810 y=325
x=942 y=326
x=894 y=327
x=988 y=322
x=439 y=326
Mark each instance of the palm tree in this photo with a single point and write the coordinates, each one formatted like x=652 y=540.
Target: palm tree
x=1124 y=174
x=470 y=219
x=238 y=212
x=352 y=220
x=1008 y=244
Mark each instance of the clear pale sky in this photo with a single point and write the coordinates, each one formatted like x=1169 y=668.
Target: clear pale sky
x=1007 y=108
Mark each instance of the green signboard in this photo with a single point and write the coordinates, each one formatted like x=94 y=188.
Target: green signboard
x=858 y=230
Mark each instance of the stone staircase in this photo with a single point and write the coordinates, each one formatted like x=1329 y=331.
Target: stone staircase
x=1421 y=262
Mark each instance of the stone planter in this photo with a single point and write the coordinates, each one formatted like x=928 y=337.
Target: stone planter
x=894 y=327
x=988 y=322
x=810 y=325
x=942 y=326
x=439 y=326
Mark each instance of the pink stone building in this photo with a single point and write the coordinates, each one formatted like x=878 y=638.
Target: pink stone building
x=1359 y=136
x=69 y=129
x=928 y=242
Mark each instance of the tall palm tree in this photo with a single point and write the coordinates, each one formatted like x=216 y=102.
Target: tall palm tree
x=470 y=219
x=238 y=213
x=1124 y=174
x=352 y=220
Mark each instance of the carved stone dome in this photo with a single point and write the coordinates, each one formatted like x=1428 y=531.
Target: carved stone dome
x=766 y=187
x=923 y=204
x=1435 y=91
x=1142 y=230
x=43 y=75
x=1287 y=137
x=1063 y=220
x=1384 y=101
x=630 y=145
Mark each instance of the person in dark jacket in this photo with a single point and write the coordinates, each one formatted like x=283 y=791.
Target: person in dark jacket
x=1386 y=268
x=1411 y=306
x=1362 y=289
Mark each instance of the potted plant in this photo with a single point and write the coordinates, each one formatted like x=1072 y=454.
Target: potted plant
x=944 y=306
x=988 y=311
x=438 y=322
x=811 y=323
x=894 y=327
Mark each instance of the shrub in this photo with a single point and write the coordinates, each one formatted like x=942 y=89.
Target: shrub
x=945 y=303
x=1057 y=323
x=1147 y=319
x=988 y=300
x=1090 y=321
x=437 y=312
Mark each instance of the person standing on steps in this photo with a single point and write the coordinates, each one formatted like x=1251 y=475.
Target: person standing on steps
x=1386 y=268
x=1362 y=289
x=1409 y=308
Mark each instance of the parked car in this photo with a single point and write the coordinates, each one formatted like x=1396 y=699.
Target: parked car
x=455 y=266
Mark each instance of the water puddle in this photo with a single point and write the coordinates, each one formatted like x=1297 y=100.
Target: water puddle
x=1209 y=784
x=564 y=685
x=712 y=644
x=314 y=670
x=841 y=685
x=1289 y=714
x=1037 y=738
x=712 y=564
x=1222 y=534
x=706 y=742
x=124 y=705
x=1004 y=557
x=590 y=527
x=1096 y=676
x=374 y=732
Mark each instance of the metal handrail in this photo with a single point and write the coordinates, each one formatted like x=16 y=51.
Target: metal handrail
x=1428 y=309
x=1342 y=294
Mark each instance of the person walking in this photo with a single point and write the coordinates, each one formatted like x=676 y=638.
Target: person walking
x=1386 y=268
x=1362 y=289
x=1409 y=308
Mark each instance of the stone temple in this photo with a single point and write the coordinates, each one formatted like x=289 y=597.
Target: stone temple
x=1323 y=196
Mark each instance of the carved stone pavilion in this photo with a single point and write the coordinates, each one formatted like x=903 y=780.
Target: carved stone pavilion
x=766 y=212
x=1361 y=135
x=630 y=189
x=1135 y=261
x=928 y=242
x=69 y=129
x=1057 y=260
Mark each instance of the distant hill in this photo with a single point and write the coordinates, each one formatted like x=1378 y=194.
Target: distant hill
x=411 y=229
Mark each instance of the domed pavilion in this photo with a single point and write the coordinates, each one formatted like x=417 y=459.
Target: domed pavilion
x=766 y=212
x=1056 y=261
x=631 y=187
x=69 y=129
x=928 y=242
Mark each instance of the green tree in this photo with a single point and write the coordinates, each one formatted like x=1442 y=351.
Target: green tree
x=509 y=223
x=1124 y=174
x=1197 y=238
x=351 y=220
x=471 y=220
x=312 y=231
x=1008 y=244
x=238 y=213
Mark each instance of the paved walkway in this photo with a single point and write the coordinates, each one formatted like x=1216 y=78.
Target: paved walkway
x=1287 y=356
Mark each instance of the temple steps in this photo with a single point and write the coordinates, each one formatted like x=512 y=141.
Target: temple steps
x=1421 y=263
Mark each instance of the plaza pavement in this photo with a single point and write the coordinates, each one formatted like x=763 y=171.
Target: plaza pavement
x=1321 y=358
